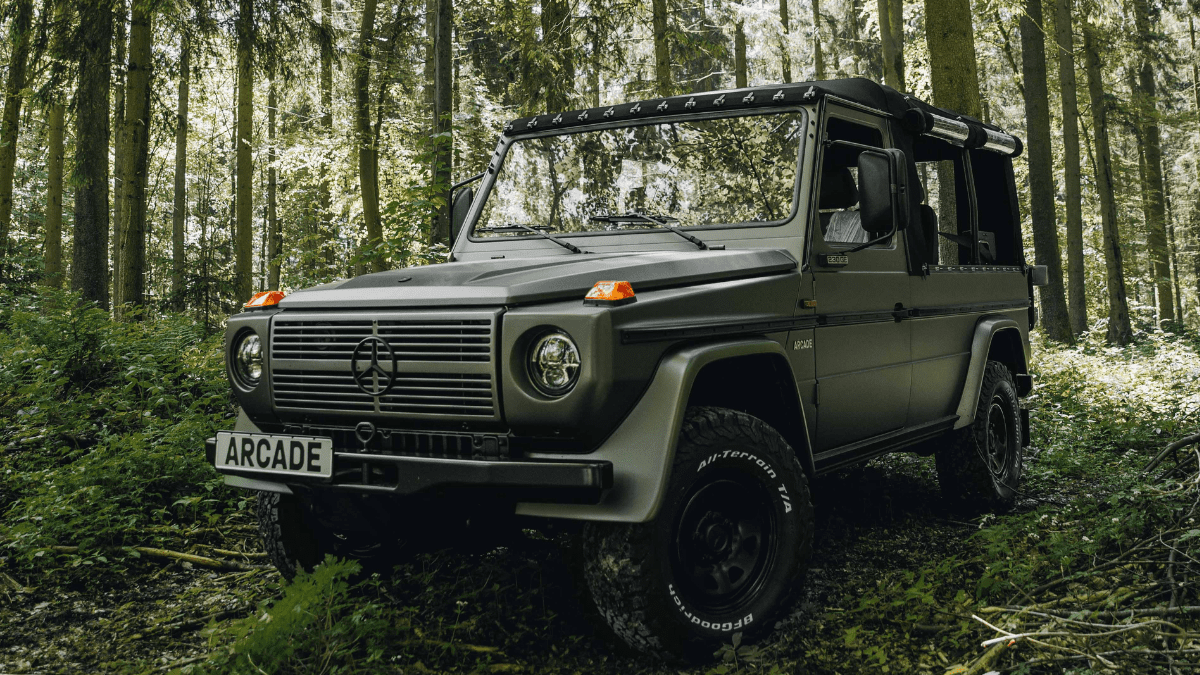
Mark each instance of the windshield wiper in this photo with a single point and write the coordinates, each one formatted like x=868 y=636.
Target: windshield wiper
x=539 y=231
x=661 y=221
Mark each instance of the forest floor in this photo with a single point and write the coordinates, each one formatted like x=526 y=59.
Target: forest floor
x=894 y=584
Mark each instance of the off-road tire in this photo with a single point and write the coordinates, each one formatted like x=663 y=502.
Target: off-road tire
x=971 y=474
x=636 y=572
x=286 y=535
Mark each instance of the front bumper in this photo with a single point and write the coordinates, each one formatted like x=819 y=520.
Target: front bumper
x=568 y=482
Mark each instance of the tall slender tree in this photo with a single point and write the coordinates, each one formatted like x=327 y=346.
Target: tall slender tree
x=891 y=35
x=1120 y=332
x=54 y=192
x=369 y=191
x=443 y=99
x=137 y=152
x=741 y=76
x=1146 y=118
x=119 y=141
x=1196 y=109
x=89 y=271
x=244 y=229
x=1065 y=45
x=785 y=53
x=1055 y=319
x=274 y=235
x=955 y=82
x=22 y=37
x=179 y=210
x=662 y=51
x=818 y=55
x=324 y=217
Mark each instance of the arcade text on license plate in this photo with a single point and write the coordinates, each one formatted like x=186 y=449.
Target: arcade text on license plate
x=266 y=453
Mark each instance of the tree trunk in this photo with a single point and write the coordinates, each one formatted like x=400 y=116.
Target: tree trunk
x=818 y=56
x=11 y=122
x=785 y=53
x=120 y=142
x=1196 y=208
x=137 y=154
x=366 y=166
x=274 y=242
x=318 y=241
x=443 y=92
x=1055 y=320
x=662 y=54
x=1146 y=110
x=892 y=38
x=244 y=265
x=951 y=39
x=1119 y=330
x=556 y=35
x=739 y=55
x=1065 y=39
x=89 y=269
x=179 y=213
x=54 y=192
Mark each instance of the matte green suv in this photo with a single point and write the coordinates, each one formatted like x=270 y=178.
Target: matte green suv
x=665 y=319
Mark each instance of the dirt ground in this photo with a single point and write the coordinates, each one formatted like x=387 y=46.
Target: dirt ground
x=515 y=609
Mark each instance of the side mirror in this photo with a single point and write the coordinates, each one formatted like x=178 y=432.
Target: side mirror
x=1039 y=275
x=883 y=191
x=458 y=211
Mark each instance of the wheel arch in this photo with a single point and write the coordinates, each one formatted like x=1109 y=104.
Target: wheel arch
x=761 y=385
x=996 y=338
x=642 y=449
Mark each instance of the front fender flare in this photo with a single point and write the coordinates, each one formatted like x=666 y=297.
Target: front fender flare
x=986 y=330
x=642 y=448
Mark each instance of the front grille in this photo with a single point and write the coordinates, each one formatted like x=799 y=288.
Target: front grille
x=444 y=364
x=410 y=339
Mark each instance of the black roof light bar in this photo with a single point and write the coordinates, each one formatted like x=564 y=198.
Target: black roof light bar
x=916 y=115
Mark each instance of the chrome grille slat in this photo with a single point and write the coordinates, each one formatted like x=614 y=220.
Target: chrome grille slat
x=445 y=363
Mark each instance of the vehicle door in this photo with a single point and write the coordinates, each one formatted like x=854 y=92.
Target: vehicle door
x=863 y=352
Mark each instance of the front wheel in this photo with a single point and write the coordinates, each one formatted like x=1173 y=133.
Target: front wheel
x=726 y=553
x=980 y=468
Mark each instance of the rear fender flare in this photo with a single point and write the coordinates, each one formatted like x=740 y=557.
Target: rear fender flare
x=642 y=449
x=989 y=331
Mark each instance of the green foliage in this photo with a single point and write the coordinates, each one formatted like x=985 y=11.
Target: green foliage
x=318 y=626
x=103 y=425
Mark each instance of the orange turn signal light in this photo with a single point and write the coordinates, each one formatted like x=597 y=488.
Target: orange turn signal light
x=610 y=294
x=264 y=299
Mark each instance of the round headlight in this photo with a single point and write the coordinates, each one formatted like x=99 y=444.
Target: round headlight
x=248 y=360
x=554 y=363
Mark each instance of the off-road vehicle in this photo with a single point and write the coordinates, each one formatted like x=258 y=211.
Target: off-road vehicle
x=666 y=319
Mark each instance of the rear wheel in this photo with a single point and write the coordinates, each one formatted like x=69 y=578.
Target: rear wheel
x=980 y=468
x=726 y=553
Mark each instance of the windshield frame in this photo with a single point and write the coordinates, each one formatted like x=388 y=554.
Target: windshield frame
x=506 y=142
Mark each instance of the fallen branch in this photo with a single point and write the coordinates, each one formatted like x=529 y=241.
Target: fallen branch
x=1181 y=443
x=211 y=563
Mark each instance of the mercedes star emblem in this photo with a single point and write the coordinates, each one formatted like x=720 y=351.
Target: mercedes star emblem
x=373 y=379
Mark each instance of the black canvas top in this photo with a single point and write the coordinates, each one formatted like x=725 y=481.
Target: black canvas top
x=858 y=90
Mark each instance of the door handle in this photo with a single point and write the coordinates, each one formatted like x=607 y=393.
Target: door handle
x=900 y=313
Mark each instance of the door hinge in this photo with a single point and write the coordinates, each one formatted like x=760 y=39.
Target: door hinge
x=817 y=393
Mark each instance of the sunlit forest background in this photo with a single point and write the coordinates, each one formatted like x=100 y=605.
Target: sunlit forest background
x=185 y=154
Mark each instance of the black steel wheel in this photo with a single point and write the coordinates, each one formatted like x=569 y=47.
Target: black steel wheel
x=980 y=467
x=726 y=553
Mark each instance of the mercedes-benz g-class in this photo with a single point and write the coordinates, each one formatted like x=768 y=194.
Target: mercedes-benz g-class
x=665 y=318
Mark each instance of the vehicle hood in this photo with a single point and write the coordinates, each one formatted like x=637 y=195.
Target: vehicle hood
x=528 y=280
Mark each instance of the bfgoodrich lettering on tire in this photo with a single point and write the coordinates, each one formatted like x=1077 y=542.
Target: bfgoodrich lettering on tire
x=726 y=553
x=979 y=469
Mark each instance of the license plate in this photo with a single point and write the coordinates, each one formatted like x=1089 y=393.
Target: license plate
x=267 y=453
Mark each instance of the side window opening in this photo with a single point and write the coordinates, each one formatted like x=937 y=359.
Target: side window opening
x=838 y=198
x=996 y=198
x=946 y=213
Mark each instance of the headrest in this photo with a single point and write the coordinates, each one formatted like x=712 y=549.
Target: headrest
x=928 y=216
x=838 y=190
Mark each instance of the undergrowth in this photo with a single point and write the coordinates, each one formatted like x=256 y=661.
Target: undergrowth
x=103 y=427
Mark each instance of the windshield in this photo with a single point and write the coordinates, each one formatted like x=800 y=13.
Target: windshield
x=715 y=172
